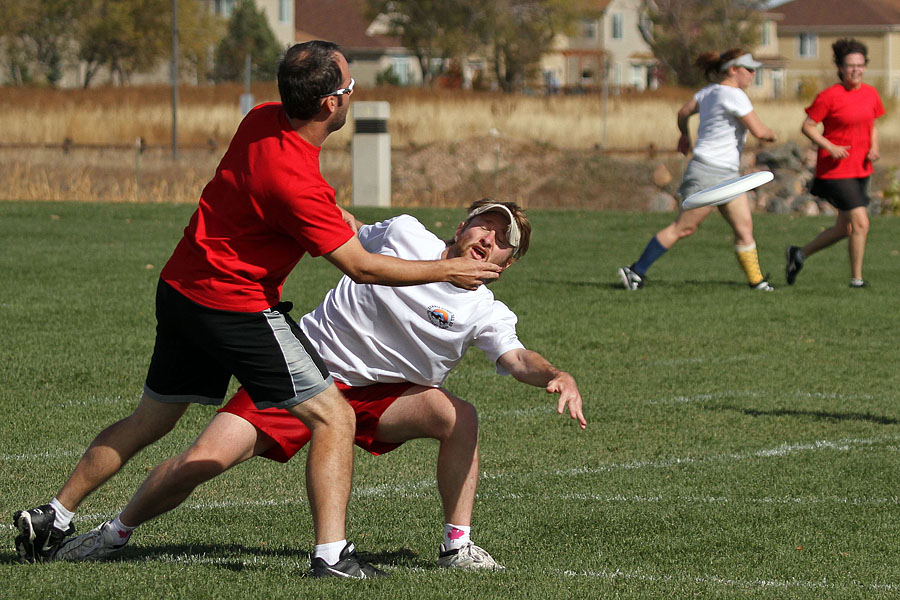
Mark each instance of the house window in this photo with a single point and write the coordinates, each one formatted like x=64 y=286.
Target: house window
x=284 y=11
x=401 y=69
x=224 y=7
x=589 y=29
x=618 y=28
x=766 y=33
x=758 y=78
x=807 y=45
x=637 y=76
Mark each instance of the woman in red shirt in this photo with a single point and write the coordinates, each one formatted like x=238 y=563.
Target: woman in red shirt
x=847 y=147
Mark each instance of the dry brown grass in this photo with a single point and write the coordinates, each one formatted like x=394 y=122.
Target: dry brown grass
x=208 y=116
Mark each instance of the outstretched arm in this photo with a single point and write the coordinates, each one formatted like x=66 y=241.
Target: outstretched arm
x=757 y=128
x=364 y=267
x=530 y=367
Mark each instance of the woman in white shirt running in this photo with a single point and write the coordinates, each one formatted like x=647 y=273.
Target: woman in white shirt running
x=726 y=115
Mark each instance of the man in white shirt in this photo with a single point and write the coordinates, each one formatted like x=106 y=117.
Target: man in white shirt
x=389 y=350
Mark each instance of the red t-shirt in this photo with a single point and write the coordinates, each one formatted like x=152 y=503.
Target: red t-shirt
x=266 y=206
x=848 y=117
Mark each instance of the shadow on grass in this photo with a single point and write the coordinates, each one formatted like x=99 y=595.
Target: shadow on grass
x=814 y=414
x=654 y=283
x=236 y=557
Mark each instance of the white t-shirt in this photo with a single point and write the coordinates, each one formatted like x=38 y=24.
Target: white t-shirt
x=374 y=333
x=721 y=135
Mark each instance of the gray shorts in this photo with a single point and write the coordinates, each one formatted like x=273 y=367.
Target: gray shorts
x=699 y=176
x=198 y=349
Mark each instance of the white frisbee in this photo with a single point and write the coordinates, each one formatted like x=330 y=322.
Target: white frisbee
x=727 y=191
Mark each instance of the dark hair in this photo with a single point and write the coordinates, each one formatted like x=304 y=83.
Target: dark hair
x=307 y=72
x=711 y=62
x=845 y=46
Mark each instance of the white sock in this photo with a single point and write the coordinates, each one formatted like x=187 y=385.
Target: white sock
x=123 y=532
x=63 y=515
x=456 y=536
x=330 y=552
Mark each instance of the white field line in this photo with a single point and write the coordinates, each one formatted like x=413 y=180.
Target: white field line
x=782 y=450
x=40 y=456
x=698 y=360
x=823 y=584
x=95 y=401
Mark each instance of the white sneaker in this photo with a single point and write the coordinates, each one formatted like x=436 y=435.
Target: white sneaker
x=469 y=556
x=630 y=279
x=100 y=543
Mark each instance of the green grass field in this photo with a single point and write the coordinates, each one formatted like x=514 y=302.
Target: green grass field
x=740 y=444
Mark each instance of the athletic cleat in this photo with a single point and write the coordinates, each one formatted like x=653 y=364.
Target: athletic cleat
x=795 y=258
x=100 y=543
x=763 y=286
x=630 y=279
x=348 y=566
x=38 y=539
x=857 y=284
x=469 y=557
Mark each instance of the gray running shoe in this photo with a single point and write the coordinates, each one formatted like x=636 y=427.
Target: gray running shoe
x=100 y=543
x=630 y=279
x=348 y=566
x=857 y=284
x=38 y=539
x=795 y=257
x=469 y=557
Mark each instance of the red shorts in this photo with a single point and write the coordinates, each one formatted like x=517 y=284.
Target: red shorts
x=290 y=435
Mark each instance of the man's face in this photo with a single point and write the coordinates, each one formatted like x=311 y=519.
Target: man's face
x=484 y=238
x=339 y=116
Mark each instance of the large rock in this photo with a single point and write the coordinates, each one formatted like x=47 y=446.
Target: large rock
x=786 y=156
x=661 y=176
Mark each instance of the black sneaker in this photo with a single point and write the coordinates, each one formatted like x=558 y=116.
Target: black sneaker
x=795 y=258
x=348 y=566
x=38 y=539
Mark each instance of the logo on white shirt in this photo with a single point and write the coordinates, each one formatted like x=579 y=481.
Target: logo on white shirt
x=440 y=317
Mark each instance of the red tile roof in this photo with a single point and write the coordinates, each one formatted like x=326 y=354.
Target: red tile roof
x=823 y=13
x=340 y=21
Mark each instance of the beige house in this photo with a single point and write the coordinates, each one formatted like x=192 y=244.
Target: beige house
x=809 y=27
x=279 y=14
x=371 y=51
x=769 y=80
x=607 y=40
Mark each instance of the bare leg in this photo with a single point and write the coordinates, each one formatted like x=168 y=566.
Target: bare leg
x=435 y=413
x=115 y=445
x=859 y=230
x=226 y=441
x=832 y=235
x=684 y=225
x=329 y=464
x=737 y=214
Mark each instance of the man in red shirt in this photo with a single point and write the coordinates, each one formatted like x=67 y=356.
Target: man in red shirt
x=219 y=310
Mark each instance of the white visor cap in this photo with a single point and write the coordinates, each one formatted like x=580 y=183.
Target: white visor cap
x=512 y=232
x=744 y=60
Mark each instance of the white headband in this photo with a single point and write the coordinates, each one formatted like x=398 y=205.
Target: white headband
x=512 y=232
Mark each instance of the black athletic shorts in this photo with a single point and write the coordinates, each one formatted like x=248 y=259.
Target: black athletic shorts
x=198 y=349
x=843 y=194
